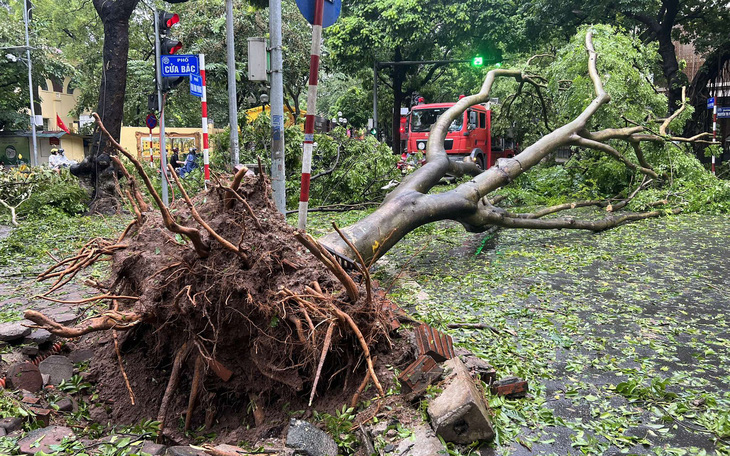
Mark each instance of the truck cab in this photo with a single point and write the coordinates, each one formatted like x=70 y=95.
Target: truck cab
x=469 y=136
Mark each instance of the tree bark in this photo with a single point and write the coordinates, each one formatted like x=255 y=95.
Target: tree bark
x=410 y=206
x=96 y=171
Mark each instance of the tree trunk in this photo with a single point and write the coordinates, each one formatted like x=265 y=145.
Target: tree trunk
x=96 y=171
x=410 y=205
x=670 y=69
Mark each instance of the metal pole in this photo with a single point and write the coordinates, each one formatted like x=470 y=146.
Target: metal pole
x=375 y=97
x=278 y=179
x=232 y=100
x=163 y=151
x=30 y=85
x=204 y=107
x=311 y=110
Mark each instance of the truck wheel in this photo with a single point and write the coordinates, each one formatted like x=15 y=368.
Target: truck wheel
x=481 y=162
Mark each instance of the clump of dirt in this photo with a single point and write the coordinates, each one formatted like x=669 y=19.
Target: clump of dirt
x=249 y=328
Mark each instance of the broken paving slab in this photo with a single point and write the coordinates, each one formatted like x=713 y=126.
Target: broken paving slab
x=460 y=413
x=58 y=367
x=13 y=331
x=25 y=376
x=423 y=442
x=307 y=440
x=42 y=439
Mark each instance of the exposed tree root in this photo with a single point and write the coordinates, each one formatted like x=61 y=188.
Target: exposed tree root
x=257 y=323
x=109 y=320
x=330 y=262
x=202 y=248
x=182 y=353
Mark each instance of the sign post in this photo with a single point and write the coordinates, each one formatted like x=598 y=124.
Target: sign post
x=320 y=14
x=151 y=121
x=204 y=106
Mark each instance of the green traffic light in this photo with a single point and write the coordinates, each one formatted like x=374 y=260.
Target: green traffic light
x=498 y=64
x=477 y=61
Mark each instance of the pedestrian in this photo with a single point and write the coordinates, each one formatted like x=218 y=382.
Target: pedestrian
x=53 y=159
x=175 y=158
x=190 y=163
x=63 y=161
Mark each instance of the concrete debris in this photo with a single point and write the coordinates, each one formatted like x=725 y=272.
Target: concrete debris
x=307 y=440
x=460 y=413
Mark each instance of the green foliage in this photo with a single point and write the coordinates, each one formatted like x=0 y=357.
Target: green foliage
x=47 y=63
x=74 y=385
x=42 y=191
x=55 y=232
x=361 y=167
x=340 y=427
x=354 y=105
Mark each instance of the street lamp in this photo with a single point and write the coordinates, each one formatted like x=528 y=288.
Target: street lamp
x=30 y=84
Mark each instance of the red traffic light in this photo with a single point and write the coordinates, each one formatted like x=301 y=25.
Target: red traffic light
x=170 y=46
x=167 y=20
x=172 y=20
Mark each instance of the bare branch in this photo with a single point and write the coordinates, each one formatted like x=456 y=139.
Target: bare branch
x=201 y=247
x=584 y=142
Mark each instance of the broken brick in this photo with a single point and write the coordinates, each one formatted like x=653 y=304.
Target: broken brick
x=511 y=387
x=419 y=374
x=433 y=343
x=42 y=415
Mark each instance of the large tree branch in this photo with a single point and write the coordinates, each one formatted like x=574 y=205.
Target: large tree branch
x=591 y=144
x=489 y=217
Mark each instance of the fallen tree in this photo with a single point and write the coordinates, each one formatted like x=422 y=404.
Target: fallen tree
x=218 y=298
x=411 y=205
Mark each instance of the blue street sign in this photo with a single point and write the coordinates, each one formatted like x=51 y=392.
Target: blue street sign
x=196 y=85
x=329 y=15
x=179 y=65
x=710 y=102
x=723 y=113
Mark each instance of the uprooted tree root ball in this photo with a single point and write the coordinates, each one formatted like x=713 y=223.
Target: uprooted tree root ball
x=215 y=306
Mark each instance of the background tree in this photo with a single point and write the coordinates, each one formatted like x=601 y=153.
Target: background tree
x=96 y=170
x=699 y=21
x=400 y=30
x=47 y=63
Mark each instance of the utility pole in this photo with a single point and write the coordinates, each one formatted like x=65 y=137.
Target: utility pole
x=26 y=19
x=160 y=98
x=375 y=98
x=278 y=180
x=232 y=100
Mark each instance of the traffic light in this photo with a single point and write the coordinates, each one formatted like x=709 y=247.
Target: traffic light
x=477 y=61
x=374 y=131
x=168 y=46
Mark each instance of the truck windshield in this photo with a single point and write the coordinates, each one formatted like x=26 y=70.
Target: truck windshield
x=423 y=119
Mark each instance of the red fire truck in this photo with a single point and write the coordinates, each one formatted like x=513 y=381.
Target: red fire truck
x=469 y=136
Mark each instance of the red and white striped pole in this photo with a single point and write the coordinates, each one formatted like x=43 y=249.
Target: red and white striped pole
x=311 y=111
x=204 y=105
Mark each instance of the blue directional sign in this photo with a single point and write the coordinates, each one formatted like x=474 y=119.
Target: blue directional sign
x=196 y=85
x=179 y=65
x=330 y=13
x=723 y=113
x=710 y=102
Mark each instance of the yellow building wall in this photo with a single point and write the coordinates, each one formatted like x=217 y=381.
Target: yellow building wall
x=61 y=103
x=73 y=148
x=136 y=140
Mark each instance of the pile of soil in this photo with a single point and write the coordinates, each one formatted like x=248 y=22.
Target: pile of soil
x=232 y=316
